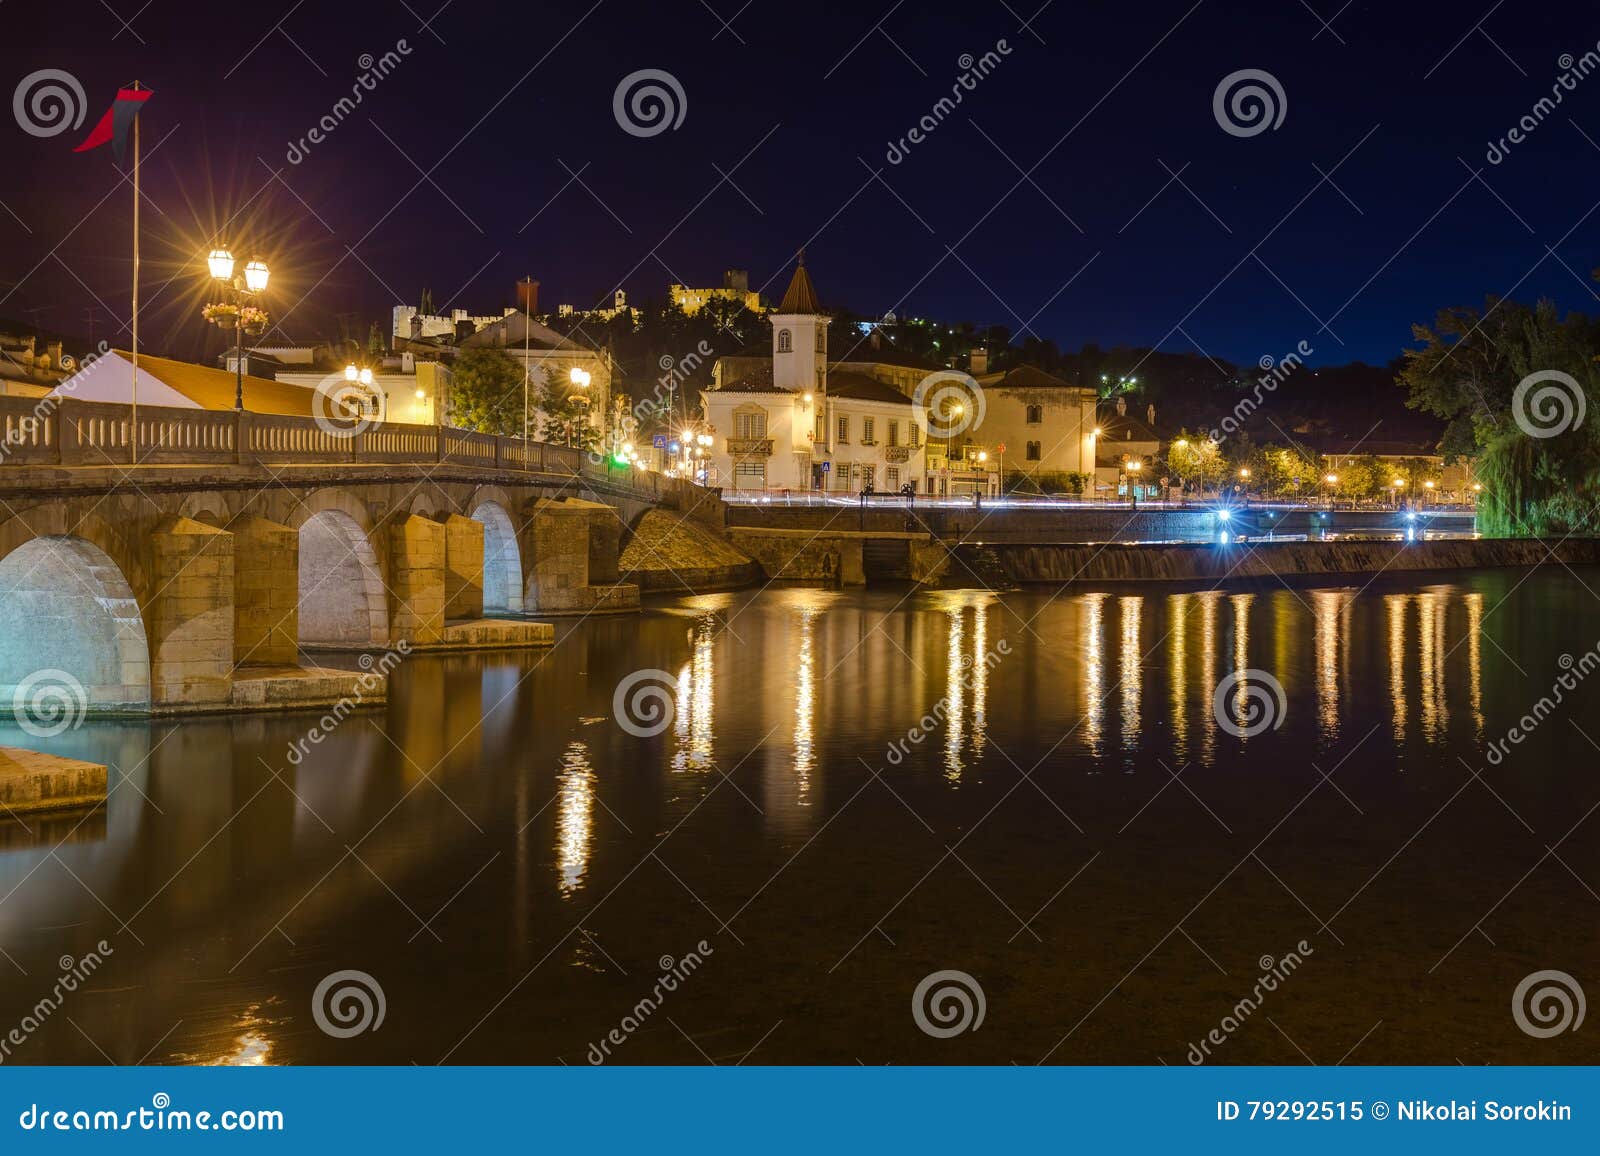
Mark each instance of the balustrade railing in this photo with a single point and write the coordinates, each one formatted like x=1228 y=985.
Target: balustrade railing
x=55 y=431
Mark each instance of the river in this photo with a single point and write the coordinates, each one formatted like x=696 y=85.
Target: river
x=846 y=793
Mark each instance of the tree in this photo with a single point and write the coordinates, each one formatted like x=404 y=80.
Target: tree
x=1195 y=459
x=563 y=415
x=486 y=392
x=1514 y=383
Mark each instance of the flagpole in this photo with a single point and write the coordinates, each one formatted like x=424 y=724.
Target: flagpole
x=135 y=438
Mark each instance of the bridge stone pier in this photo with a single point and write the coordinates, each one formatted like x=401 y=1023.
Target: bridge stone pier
x=208 y=578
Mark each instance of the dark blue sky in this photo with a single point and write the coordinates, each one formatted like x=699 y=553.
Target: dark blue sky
x=1244 y=254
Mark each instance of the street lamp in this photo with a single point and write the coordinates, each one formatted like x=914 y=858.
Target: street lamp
x=220 y=263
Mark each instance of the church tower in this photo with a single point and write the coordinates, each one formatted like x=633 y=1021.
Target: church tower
x=800 y=346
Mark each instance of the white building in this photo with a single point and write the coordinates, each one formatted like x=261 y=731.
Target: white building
x=797 y=424
x=1036 y=428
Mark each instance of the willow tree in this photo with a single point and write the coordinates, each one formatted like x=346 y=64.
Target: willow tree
x=1514 y=384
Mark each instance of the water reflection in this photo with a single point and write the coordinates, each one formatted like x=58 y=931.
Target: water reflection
x=574 y=817
x=1327 y=606
x=1094 y=673
x=1474 y=601
x=1395 y=604
x=1130 y=661
x=697 y=698
x=1209 y=601
x=1178 y=635
x=1241 y=660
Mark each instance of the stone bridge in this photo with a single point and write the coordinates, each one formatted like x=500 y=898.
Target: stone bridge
x=193 y=573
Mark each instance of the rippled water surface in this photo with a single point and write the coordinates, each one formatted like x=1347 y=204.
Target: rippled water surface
x=852 y=791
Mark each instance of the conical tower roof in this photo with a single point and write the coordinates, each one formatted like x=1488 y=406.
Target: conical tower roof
x=802 y=295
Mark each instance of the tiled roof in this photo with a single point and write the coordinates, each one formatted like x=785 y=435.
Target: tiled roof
x=1116 y=427
x=801 y=296
x=861 y=387
x=745 y=385
x=212 y=388
x=1023 y=377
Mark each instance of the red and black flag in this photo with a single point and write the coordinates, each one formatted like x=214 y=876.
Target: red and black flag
x=117 y=120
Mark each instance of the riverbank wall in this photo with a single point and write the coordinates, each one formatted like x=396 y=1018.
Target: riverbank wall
x=1068 y=564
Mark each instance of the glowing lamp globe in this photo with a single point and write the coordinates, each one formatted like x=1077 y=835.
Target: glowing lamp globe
x=255 y=275
x=220 y=262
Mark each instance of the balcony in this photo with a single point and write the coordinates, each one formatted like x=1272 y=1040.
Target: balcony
x=750 y=447
x=895 y=455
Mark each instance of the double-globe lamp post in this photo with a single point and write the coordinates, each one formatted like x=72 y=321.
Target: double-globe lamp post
x=244 y=287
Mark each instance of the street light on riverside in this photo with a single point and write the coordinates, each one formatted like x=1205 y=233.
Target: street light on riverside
x=236 y=310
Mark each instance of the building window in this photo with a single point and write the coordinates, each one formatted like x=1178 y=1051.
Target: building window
x=844 y=429
x=1033 y=451
x=915 y=434
x=891 y=477
x=867 y=474
x=866 y=431
x=750 y=424
x=785 y=341
x=894 y=433
x=822 y=339
x=1035 y=414
x=750 y=475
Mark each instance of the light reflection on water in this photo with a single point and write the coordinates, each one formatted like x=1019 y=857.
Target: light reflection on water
x=806 y=685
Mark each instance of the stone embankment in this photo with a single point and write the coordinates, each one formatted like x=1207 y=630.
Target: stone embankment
x=670 y=553
x=1258 y=560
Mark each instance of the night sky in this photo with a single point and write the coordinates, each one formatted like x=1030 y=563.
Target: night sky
x=789 y=113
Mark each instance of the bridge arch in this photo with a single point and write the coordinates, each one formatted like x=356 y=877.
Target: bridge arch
x=502 y=558
x=341 y=595
x=77 y=640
